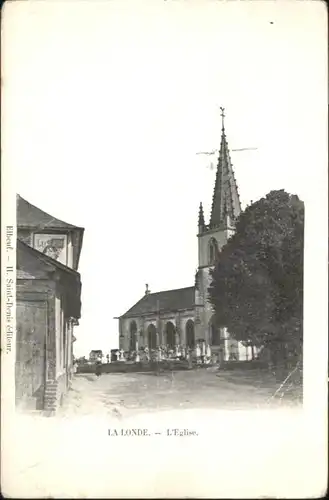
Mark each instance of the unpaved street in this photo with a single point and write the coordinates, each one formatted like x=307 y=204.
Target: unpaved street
x=129 y=394
x=73 y=455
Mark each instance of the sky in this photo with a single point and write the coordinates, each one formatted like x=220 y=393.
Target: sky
x=106 y=105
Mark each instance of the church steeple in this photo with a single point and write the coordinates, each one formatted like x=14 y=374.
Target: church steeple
x=226 y=201
x=201 y=224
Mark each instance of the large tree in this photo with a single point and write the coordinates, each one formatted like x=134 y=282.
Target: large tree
x=257 y=283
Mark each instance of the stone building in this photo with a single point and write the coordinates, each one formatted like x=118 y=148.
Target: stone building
x=48 y=306
x=185 y=316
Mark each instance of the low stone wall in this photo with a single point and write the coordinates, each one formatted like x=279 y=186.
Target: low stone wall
x=126 y=367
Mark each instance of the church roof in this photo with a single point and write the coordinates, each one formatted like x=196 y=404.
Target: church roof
x=169 y=300
x=29 y=217
x=226 y=199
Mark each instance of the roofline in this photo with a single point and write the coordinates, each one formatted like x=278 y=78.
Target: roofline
x=64 y=229
x=48 y=260
x=126 y=314
x=156 y=312
x=171 y=290
x=67 y=225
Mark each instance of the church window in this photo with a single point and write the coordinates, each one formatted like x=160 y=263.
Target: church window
x=170 y=335
x=213 y=251
x=190 y=336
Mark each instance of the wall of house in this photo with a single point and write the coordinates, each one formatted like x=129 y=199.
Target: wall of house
x=69 y=344
x=60 y=379
x=70 y=250
x=75 y=242
x=49 y=325
x=68 y=350
x=64 y=347
x=31 y=315
x=70 y=330
x=58 y=315
x=44 y=353
x=34 y=319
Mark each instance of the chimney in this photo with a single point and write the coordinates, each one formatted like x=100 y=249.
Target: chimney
x=147 y=291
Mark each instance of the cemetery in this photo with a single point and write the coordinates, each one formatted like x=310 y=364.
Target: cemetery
x=162 y=358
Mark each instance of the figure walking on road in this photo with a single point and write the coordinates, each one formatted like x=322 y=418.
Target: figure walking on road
x=98 y=368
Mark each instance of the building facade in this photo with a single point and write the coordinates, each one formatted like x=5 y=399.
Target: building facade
x=48 y=306
x=185 y=316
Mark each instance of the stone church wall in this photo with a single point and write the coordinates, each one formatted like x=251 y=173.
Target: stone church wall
x=178 y=320
x=219 y=236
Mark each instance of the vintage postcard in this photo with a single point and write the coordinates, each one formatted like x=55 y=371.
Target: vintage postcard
x=164 y=249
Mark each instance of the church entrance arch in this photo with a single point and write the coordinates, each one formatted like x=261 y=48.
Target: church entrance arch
x=151 y=337
x=190 y=336
x=170 y=334
x=214 y=332
x=133 y=335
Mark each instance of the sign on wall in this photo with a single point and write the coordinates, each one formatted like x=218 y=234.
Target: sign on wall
x=53 y=245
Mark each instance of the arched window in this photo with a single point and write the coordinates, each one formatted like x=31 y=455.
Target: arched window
x=170 y=334
x=133 y=335
x=212 y=251
x=190 y=337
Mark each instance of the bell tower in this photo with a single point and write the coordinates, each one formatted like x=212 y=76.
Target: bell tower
x=225 y=210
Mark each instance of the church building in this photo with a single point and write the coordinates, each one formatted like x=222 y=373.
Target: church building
x=185 y=316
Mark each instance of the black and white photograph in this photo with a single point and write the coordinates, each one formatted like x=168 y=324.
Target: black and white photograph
x=164 y=249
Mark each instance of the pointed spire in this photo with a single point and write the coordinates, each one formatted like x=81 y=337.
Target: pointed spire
x=201 y=223
x=226 y=196
x=225 y=209
x=226 y=215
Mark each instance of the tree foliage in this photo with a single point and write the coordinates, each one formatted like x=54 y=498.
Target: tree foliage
x=257 y=283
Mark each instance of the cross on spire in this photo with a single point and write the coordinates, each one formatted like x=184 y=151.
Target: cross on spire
x=226 y=200
x=222 y=114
